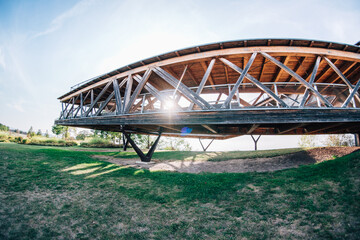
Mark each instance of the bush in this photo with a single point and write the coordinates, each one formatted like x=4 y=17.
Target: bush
x=48 y=142
x=4 y=136
x=99 y=143
x=81 y=136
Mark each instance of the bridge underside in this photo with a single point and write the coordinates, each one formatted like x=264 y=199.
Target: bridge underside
x=228 y=124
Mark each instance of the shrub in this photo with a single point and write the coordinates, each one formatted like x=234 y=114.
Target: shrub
x=37 y=140
x=4 y=136
x=98 y=143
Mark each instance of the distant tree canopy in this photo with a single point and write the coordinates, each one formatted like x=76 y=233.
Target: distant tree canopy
x=60 y=130
x=307 y=141
x=173 y=143
x=31 y=132
x=332 y=140
x=106 y=135
x=341 y=140
x=3 y=127
x=39 y=133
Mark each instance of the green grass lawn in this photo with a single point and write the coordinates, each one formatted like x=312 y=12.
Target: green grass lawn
x=48 y=193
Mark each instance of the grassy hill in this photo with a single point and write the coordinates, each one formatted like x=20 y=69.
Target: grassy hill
x=55 y=193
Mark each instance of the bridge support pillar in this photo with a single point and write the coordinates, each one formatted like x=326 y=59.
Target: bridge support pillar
x=143 y=157
x=357 y=139
x=125 y=142
x=205 y=148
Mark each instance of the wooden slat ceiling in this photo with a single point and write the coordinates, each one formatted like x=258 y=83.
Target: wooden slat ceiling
x=261 y=69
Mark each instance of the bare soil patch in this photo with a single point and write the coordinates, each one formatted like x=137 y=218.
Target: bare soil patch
x=293 y=160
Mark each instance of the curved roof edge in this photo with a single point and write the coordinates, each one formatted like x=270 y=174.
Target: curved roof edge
x=217 y=46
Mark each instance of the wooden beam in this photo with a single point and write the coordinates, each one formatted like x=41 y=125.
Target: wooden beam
x=291 y=128
x=170 y=127
x=256 y=82
x=205 y=68
x=203 y=81
x=341 y=75
x=326 y=69
x=72 y=106
x=117 y=96
x=180 y=80
x=128 y=89
x=351 y=96
x=103 y=105
x=226 y=74
x=278 y=75
x=312 y=78
x=344 y=69
x=226 y=104
x=150 y=104
x=245 y=61
x=189 y=72
x=81 y=104
x=258 y=98
x=156 y=93
x=209 y=128
x=253 y=128
x=218 y=98
x=297 y=77
x=138 y=89
x=138 y=104
x=324 y=128
x=297 y=67
x=97 y=98
x=262 y=69
x=182 y=88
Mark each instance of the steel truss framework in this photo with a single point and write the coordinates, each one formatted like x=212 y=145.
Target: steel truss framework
x=252 y=87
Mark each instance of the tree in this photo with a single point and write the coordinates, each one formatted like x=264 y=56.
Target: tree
x=4 y=128
x=31 y=132
x=82 y=135
x=61 y=130
x=307 y=141
x=143 y=141
x=172 y=143
x=339 y=140
x=47 y=133
x=39 y=133
x=114 y=135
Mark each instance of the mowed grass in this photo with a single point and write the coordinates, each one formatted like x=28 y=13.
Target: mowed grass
x=209 y=156
x=48 y=193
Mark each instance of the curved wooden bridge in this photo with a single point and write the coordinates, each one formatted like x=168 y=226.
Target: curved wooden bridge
x=226 y=89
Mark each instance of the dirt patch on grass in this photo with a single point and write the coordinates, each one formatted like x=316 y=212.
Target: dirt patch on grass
x=305 y=157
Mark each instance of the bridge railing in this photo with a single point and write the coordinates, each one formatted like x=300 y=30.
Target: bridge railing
x=247 y=96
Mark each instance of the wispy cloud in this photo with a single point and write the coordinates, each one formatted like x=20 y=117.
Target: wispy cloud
x=58 y=21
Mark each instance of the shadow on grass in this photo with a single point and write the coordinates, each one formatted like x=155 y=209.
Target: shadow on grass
x=208 y=156
x=167 y=187
x=196 y=162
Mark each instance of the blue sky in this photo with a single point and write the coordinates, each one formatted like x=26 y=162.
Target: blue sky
x=48 y=46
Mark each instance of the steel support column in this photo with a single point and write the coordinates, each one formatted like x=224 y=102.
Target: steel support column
x=143 y=157
x=357 y=139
